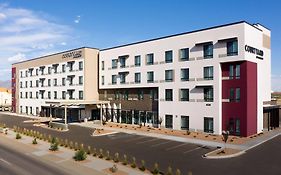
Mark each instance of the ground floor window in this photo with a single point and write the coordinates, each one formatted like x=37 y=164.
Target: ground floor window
x=208 y=124
x=234 y=126
x=185 y=122
x=169 y=121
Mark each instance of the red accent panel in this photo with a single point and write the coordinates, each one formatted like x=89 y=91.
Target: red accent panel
x=246 y=109
x=14 y=89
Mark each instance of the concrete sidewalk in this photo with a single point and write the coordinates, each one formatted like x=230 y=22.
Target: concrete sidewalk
x=64 y=157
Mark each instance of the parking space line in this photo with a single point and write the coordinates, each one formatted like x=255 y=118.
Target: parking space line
x=141 y=137
x=174 y=147
x=147 y=141
x=162 y=143
x=188 y=151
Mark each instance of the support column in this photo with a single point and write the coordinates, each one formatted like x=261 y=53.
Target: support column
x=101 y=114
x=50 y=113
x=65 y=115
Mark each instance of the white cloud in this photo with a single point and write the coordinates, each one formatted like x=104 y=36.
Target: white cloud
x=16 y=58
x=26 y=34
x=77 y=19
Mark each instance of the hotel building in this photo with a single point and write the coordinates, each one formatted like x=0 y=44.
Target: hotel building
x=207 y=80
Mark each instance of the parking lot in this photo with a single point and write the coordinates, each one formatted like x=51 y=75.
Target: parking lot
x=264 y=159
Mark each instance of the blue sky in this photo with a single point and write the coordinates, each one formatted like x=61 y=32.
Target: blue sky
x=31 y=28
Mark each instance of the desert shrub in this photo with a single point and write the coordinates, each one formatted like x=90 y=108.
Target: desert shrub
x=18 y=136
x=34 y=141
x=80 y=155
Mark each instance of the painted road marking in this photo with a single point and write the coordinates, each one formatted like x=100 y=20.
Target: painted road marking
x=162 y=143
x=147 y=141
x=5 y=161
x=193 y=149
x=141 y=137
x=174 y=147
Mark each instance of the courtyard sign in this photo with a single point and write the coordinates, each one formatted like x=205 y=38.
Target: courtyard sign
x=257 y=52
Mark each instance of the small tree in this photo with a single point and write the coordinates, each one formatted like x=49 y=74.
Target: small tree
x=133 y=165
x=107 y=155
x=101 y=154
x=54 y=145
x=155 y=169
x=178 y=172
x=114 y=168
x=116 y=157
x=34 y=141
x=170 y=170
x=95 y=152
x=80 y=155
x=225 y=135
x=125 y=160
x=142 y=167
x=89 y=150
x=18 y=136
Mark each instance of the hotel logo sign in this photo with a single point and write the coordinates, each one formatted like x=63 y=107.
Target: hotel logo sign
x=72 y=54
x=259 y=53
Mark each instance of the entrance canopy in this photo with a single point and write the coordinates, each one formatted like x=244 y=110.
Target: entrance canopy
x=75 y=102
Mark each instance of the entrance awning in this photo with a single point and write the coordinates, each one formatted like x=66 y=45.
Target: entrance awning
x=75 y=102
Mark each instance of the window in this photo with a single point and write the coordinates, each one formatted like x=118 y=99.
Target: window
x=184 y=54
x=113 y=79
x=122 y=60
x=184 y=74
x=208 y=124
x=169 y=75
x=231 y=94
x=184 y=94
x=184 y=122
x=150 y=77
x=26 y=84
x=169 y=56
x=114 y=63
x=169 y=121
x=55 y=94
x=231 y=71
x=20 y=94
x=102 y=80
x=80 y=95
x=80 y=65
x=63 y=68
x=70 y=93
x=37 y=94
x=20 y=84
x=122 y=78
x=116 y=95
x=26 y=94
x=208 y=94
x=70 y=65
x=208 y=51
x=237 y=71
x=80 y=80
x=49 y=70
x=140 y=95
x=63 y=81
x=55 y=82
x=30 y=109
x=237 y=95
x=36 y=72
x=169 y=94
x=49 y=82
x=208 y=73
x=137 y=77
x=56 y=69
x=26 y=73
x=30 y=95
x=126 y=95
x=49 y=95
x=26 y=109
x=20 y=109
x=150 y=59
x=37 y=83
x=21 y=74
x=102 y=65
x=153 y=94
x=237 y=126
x=137 y=60
x=232 y=48
x=63 y=95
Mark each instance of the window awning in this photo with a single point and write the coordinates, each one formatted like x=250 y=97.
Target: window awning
x=42 y=67
x=123 y=56
x=75 y=102
x=227 y=39
x=204 y=43
x=123 y=72
x=55 y=65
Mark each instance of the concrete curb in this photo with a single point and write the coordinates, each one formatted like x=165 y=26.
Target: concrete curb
x=104 y=134
x=206 y=156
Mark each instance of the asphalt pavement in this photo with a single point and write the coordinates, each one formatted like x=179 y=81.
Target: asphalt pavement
x=264 y=159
